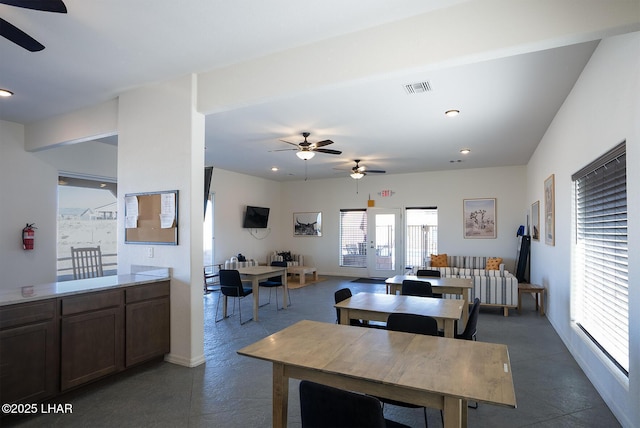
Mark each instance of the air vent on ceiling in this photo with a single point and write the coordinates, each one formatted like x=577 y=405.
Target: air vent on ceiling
x=418 y=88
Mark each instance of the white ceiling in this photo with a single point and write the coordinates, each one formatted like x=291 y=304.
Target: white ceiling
x=102 y=48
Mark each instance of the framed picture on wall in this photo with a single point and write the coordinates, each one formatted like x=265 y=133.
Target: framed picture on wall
x=535 y=221
x=549 y=211
x=307 y=224
x=479 y=216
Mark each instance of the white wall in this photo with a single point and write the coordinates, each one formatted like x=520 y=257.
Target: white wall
x=161 y=147
x=28 y=194
x=445 y=189
x=233 y=192
x=601 y=111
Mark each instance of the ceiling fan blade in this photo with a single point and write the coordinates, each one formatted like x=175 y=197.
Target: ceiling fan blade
x=323 y=143
x=375 y=171
x=19 y=37
x=284 y=141
x=43 y=5
x=329 y=151
x=283 y=150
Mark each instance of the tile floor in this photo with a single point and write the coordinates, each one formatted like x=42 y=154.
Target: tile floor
x=234 y=391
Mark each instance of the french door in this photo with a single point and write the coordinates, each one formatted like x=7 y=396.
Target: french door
x=384 y=238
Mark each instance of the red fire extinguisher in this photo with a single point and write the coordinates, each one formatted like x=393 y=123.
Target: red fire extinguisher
x=28 y=236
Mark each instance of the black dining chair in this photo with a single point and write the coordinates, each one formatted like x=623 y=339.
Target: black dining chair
x=231 y=286
x=412 y=287
x=339 y=296
x=417 y=324
x=432 y=273
x=470 y=329
x=323 y=406
x=273 y=283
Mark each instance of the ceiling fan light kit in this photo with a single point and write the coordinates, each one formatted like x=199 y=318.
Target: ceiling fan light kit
x=357 y=175
x=5 y=93
x=305 y=154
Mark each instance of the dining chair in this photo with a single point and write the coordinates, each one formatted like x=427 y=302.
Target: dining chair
x=412 y=287
x=86 y=262
x=470 y=329
x=274 y=282
x=432 y=273
x=417 y=324
x=339 y=296
x=231 y=286
x=323 y=406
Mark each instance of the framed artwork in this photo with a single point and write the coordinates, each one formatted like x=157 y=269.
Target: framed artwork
x=307 y=224
x=535 y=221
x=479 y=218
x=549 y=211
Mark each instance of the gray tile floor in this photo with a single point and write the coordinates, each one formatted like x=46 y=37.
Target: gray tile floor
x=234 y=391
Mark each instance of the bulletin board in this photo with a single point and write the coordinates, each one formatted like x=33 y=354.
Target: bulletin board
x=151 y=218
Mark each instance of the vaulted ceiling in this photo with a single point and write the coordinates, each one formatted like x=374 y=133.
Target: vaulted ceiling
x=101 y=49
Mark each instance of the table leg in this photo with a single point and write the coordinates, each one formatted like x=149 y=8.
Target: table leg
x=449 y=326
x=255 y=286
x=280 y=396
x=285 y=289
x=303 y=277
x=344 y=316
x=453 y=412
x=315 y=275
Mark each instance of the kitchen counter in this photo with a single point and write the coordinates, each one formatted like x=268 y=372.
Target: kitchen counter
x=33 y=293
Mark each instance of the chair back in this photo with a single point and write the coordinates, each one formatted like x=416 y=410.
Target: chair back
x=470 y=329
x=413 y=323
x=339 y=296
x=87 y=262
x=429 y=272
x=416 y=288
x=231 y=283
x=277 y=279
x=323 y=406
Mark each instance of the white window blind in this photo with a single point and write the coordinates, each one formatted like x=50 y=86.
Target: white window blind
x=353 y=238
x=601 y=278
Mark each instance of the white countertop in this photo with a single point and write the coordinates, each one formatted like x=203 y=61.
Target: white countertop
x=78 y=286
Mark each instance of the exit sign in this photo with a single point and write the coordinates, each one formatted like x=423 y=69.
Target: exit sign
x=386 y=193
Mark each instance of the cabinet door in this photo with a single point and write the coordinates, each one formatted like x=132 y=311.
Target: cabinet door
x=28 y=363
x=92 y=346
x=147 y=330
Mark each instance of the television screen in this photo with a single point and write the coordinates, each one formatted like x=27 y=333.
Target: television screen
x=256 y=218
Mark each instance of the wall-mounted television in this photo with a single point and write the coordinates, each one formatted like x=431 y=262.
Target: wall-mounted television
x=255 y=217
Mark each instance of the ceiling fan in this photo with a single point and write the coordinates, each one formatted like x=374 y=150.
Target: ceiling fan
x=307 y=150
x=19 y=37
x=357 y=172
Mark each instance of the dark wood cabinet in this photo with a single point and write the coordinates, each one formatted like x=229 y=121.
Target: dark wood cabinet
x=28 y=352
x=148 y=322
x=50 y=346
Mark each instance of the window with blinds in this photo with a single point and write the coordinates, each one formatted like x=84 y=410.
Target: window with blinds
x=353 y=238
x=601 y=263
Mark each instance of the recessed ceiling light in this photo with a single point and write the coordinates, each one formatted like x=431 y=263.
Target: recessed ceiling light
x=5 y=93
x=465 y=151
x=274 y=168
x=452 y=113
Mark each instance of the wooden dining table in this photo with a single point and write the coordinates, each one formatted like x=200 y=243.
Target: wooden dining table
x=377 y=307
x=261 y=273
x=428 y=371
x=459 y=286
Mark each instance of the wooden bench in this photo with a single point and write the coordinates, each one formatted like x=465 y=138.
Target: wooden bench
x=536 y=290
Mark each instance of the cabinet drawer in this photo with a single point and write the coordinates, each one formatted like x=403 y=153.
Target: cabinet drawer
x=27 y=313
x=91 y=302
x=146 y=292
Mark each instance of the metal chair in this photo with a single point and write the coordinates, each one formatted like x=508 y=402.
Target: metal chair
x=432 y=273
x=231 y=286
x=275 y=282
x=323 y=406
x=416 y=288
x=87 y=262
